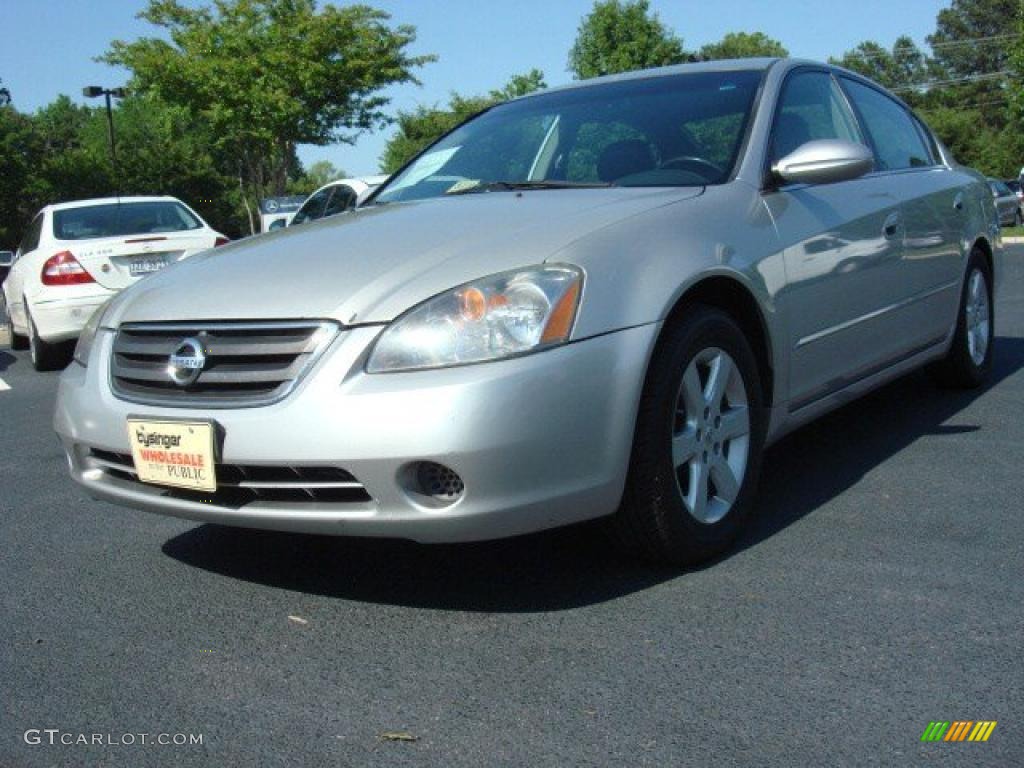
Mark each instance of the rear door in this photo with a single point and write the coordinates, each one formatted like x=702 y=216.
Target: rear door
x=119 y=244
x=932 y=214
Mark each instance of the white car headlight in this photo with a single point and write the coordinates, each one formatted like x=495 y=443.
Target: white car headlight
x=501 y=316
x=84 y=345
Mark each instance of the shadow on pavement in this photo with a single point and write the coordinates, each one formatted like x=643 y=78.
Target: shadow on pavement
x=575 y=566
x=6 y=360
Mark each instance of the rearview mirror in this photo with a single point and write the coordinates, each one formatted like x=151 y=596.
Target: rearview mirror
x=825 y=161
x=6 y=258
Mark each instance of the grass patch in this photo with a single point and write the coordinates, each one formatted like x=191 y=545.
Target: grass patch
x=1013 y=231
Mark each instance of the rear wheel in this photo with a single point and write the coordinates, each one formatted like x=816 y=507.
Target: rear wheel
x=698 y=442
x=18 y=342
x=969 y=360
x=45 y=356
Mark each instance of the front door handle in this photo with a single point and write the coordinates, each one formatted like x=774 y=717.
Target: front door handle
x=892 y=226
x=958 y=201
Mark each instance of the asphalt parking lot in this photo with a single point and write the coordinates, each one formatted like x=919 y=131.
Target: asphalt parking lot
x=880 y=589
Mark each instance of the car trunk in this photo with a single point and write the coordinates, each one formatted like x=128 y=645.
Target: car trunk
x=117 y=262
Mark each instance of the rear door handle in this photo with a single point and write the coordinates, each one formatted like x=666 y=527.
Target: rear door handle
x=891 y=226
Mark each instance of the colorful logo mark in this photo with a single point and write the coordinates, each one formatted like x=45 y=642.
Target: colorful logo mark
x=958 y=730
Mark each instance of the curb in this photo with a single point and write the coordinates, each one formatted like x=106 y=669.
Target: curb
x=1013 y=240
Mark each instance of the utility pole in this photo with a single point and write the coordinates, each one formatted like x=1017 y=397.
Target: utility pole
x=91 y=92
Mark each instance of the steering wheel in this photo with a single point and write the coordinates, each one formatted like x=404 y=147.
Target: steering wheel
x=697 y=165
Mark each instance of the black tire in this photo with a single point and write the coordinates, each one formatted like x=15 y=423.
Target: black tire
x=46 y=356
x=652 y=520
x=1018 y=218
x=958 y=369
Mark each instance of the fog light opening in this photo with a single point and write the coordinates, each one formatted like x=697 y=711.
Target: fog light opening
x=439 y=482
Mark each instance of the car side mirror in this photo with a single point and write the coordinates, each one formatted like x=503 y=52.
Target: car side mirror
x=6 y=258
x=825 y=161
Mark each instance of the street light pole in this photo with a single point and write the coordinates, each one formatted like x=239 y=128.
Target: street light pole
x=91 y=92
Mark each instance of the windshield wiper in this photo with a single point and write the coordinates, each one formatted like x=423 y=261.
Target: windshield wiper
x=509 y=186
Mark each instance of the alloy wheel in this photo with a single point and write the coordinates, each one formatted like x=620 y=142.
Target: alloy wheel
x=978 y=317
x=711 y=435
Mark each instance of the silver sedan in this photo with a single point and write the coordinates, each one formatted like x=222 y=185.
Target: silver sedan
x=599 y=301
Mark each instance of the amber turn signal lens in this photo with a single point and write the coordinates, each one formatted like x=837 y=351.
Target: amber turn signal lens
x=561 y=318
x=472 y=305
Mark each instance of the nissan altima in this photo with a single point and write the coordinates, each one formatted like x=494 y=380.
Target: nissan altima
x=598 y=301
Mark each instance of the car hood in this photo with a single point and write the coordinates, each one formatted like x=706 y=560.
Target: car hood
x=371 y=265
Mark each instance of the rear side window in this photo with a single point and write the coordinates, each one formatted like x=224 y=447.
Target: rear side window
x=312 y=208
x=811 y=107
x=119 y=219
x=31 y=239
x=342 y=198
x=897 y=141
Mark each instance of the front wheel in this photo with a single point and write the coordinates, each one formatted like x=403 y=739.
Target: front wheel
x=1018 y=219
x=698 y=442
x=969 y=360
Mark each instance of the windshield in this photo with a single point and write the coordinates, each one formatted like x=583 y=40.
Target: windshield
x=676 y=130
x=116 y=219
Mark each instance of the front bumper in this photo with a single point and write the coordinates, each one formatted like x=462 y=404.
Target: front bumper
x=539 y=441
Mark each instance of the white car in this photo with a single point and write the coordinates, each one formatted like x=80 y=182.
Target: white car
x=336 y=197
x=75 y=256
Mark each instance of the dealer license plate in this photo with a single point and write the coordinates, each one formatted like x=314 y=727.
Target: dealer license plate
x=175 y=453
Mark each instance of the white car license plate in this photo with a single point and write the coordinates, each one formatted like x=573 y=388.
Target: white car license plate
x=146 y=265
x=174 y=453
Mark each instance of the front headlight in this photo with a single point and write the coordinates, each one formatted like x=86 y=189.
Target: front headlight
x=85 y=339
x=497 y=317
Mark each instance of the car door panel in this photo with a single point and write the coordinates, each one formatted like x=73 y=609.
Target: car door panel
x=842 y=279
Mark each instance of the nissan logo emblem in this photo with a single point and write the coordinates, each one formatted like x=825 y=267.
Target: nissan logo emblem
x=186 y=362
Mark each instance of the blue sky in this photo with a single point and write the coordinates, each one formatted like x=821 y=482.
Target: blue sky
x=48 y=45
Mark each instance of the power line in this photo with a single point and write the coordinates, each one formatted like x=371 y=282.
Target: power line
x=937 y=46
x=973 y=105
x=1007 y=73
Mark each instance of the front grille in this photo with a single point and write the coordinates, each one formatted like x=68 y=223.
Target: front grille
x=246 y=363
x=241 y=484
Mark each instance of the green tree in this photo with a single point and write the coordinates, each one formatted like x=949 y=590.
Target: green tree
x=904 y=69
x=423 y=126
x=19 y=154
x=972 y=44
x=266 y=75
x=309 y=179
x=620 y=36
x=743 y=45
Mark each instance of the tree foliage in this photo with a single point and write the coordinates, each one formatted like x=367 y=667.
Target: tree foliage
x=266 y=75
x=967 y=90
x=621 y=36
x=423 y=126
x=900 y=68
x=744 y=45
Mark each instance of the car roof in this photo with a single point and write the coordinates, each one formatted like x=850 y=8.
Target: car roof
x=697 y=67
x=352 y=181
x=109 y=201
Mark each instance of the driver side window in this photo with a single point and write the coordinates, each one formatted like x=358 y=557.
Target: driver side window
x=811 y=107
